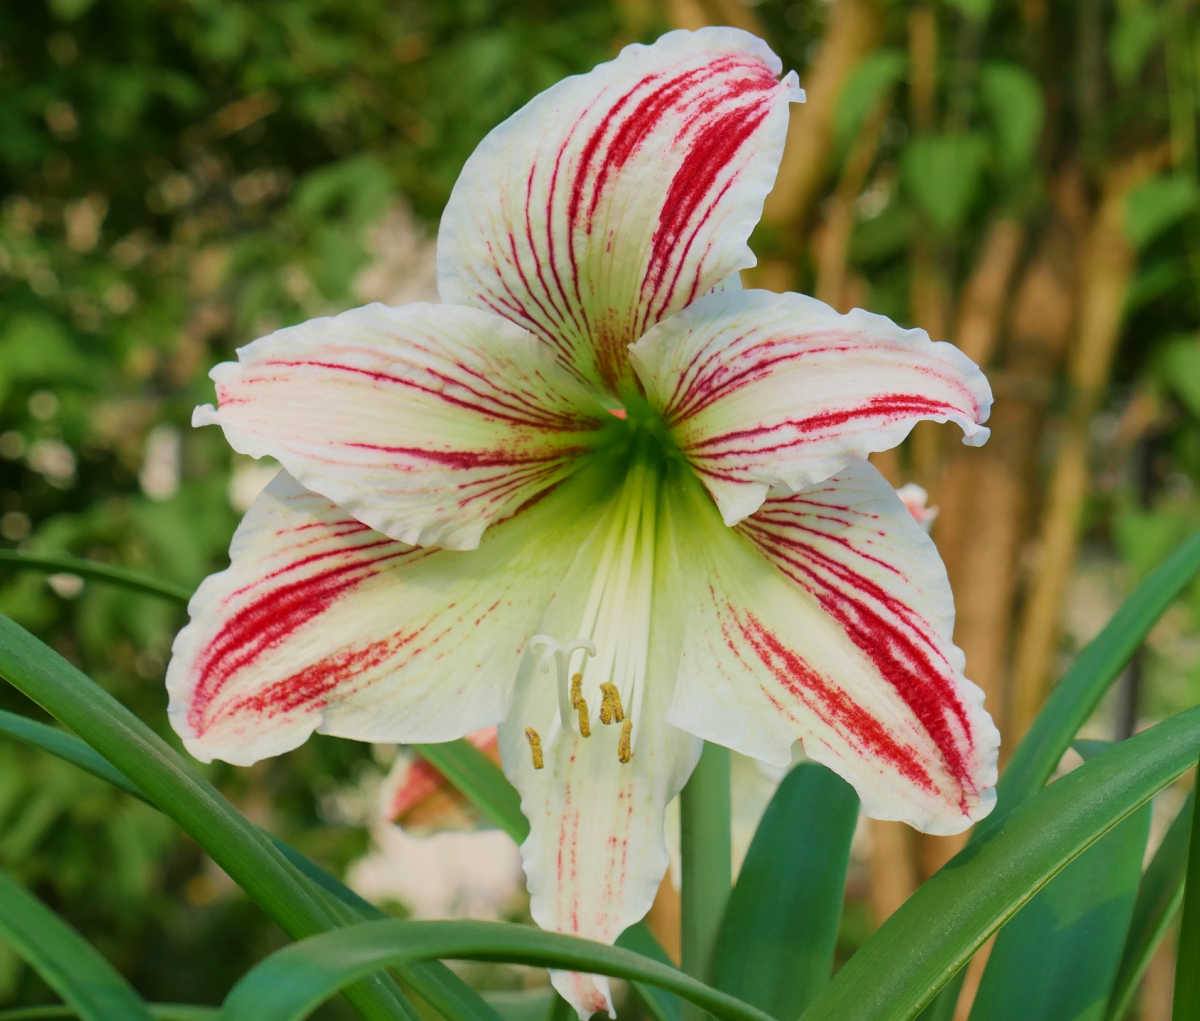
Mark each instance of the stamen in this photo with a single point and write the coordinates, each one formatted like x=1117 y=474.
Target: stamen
x=535 y=747
x=585 y=724
x=576 y=690
x=625 y=745
x=611 y=710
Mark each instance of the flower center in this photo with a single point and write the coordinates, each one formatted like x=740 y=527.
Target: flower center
x=636 y=430
x=592 y=649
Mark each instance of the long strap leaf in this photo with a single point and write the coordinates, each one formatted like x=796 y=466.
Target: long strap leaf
x=1187 y=976
x=896 y=972
x=444 y=991
x=158 y=1011
x=294 y=980
x=1074 y=699
x=1076 y=696
x=69 y=964
x=1160 y=894
x=777 y=938
x=234 y=843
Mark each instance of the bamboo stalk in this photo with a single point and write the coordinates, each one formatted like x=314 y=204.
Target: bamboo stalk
x=1108 y=263
x=977 y=531
x=854 y=27
x=929 y=288
x=893 y=868
x=664 y=918
x=831 y=242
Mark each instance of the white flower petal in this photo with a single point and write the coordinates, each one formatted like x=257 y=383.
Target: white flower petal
x=596 y=849
x=827 y=617
x=427 y=422
x=770 y=390
x=618 y=196
x=320 y=624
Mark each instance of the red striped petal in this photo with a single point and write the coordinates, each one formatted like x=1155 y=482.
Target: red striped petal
x=427 y=422
x=320 y=623
x=769 y=390
x=826 y=617
x=618 y=196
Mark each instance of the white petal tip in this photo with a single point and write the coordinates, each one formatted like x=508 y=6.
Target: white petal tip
x=977 y=437
x=791 y=84
x=204 y=414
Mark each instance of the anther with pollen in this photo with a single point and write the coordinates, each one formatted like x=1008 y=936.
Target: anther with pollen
x=611 y=710
x=585 y=724
x=535 y=747
x=625 y=745
x=576 y=690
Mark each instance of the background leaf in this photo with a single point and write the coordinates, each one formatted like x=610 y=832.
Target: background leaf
x=71 y=966
x=776 y=942
x=1057 y=959
x=867 y=86
x=1157 y=205
x=898 y=971
x=1013 y=101
x=943 y=174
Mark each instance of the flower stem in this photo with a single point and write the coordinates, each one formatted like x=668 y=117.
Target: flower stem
x=706 y=865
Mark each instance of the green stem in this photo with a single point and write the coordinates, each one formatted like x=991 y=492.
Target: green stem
x=1187 y=975
x=707 y=866
x=97 y=571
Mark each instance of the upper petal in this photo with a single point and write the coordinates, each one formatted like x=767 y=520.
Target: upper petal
x=319 y=623
x=618 y=196
x=765 y=390
x=426 y=422
x=827 y=617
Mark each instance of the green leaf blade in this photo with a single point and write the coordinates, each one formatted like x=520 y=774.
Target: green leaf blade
x=777 y=939
x=1058 y=957
x=294 y=980
x=69 y=964
x=1158 y=900
x=246 y=853
x=896 y=973
x=1074 y=699
x=1076 y=696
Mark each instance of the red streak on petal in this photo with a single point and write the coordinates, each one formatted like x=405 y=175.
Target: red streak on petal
x=892 y=635
x=264 y=623
x=888 y=407
x=802 y=682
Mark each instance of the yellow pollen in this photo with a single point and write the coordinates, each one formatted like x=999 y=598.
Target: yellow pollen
x=585 y=725
x=535 y=747
x=611 y=710
x=576 y=690
x=625 y=745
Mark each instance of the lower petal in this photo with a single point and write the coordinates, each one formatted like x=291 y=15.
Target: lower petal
x=321 y=624
x=595 y=761
x=827 y=617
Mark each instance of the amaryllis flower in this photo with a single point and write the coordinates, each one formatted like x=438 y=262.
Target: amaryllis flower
x=600 y=496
